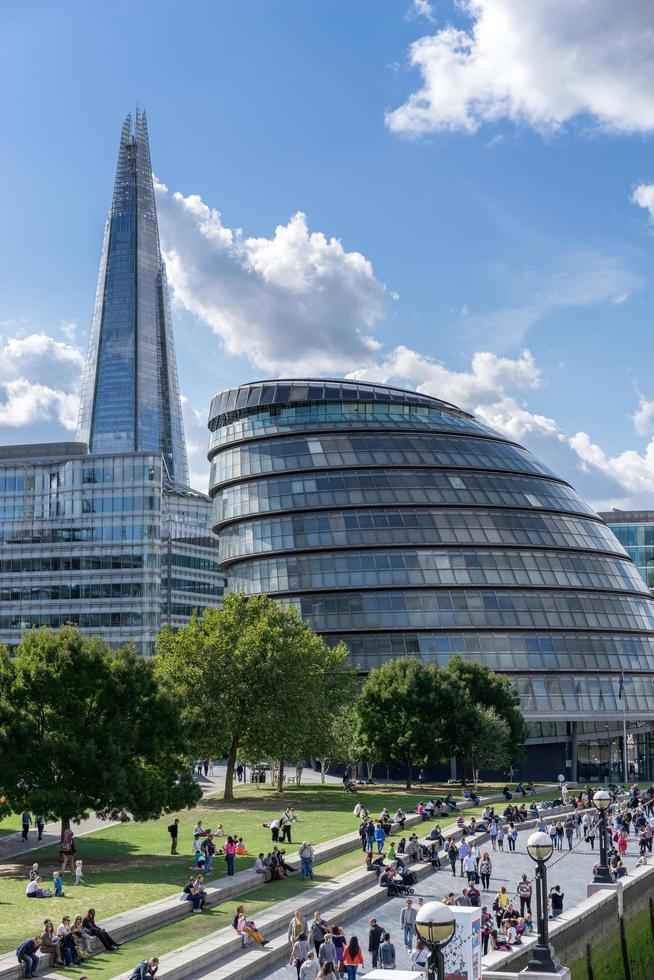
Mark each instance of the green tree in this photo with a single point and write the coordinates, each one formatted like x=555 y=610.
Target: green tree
x=492 y=690
x=335 y=738
x=397 y=711
x=490 y=741
x=84 y=728
x=258 y=676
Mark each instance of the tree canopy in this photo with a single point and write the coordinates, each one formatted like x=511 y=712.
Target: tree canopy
x=259 y=678
x=412 y=713
x=84 y=728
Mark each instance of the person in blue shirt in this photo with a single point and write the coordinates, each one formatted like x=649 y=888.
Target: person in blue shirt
x=380 y=837
x=27 y=956
x=57 y=884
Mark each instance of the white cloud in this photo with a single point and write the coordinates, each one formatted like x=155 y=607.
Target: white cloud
x=295 y=301
x=643 y=196
x=633 y=471
x=197 y=441
x=24 y=402
x=39 y=381
x=69 y=329
x=483 y=390
x=421 y=8
x=541 y=63
x=643 y=417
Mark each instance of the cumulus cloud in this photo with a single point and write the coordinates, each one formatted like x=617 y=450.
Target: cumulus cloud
x=643 y=417
x=643 y=196
x=483 y=390
x=39 y=381
x=541 y=63
x=296 y=300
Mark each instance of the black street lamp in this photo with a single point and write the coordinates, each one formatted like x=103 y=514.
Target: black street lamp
x=435 y=925
x=539 y=848
x=602 y=801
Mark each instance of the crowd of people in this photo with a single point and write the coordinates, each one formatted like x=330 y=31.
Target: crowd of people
x=322 y=949
x=68 y=944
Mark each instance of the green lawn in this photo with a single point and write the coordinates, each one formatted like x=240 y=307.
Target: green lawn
x=195 y=927
x=130 y=865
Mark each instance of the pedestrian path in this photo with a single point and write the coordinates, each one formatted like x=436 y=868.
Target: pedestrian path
x=572 y=870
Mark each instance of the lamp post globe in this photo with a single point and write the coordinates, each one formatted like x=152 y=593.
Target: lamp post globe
x=540 y=848
x=435 y=924
x=602 y=801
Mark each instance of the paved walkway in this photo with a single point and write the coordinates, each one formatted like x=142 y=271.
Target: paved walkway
x=572 y=870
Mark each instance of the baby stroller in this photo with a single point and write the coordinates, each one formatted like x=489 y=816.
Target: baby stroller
x=349 y=786
x=405 y=886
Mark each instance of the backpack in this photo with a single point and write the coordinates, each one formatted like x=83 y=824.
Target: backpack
x=496 y=905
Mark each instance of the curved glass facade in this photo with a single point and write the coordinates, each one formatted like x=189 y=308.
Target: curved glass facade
x=405 y=527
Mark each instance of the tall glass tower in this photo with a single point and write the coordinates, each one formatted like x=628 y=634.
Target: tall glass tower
x=130 y=395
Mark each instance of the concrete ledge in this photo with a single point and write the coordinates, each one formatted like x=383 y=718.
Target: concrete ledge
x=139 y=921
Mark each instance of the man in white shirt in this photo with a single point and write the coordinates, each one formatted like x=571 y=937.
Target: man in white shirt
x=310 y=968
x=261 y=868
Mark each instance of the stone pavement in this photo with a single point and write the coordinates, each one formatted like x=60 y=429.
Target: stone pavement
x=572 y=870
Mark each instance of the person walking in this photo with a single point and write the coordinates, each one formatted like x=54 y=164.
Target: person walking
x=209 y=850
x=485 y=870
x=306 y=854
x=512 y=837
x=173 y=830
x=352 y=958
x=569 y=831
x=327 y=952
x=39 y=823
x=524 y=892
x=452 y=852
x=310 y=968
x=230 y=851
x=492 y=832
x=317 y=931
x=296 y=926
x=375 y=936
x=408 y=923
x=380 y=837
x=419 y=956
x=387 y=953
x=299 y=952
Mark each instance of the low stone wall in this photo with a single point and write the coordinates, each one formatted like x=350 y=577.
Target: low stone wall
x=609 y=936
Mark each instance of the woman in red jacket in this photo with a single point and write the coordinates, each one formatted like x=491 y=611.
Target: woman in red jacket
x=352 y=958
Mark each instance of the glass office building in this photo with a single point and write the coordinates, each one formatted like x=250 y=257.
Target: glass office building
x=100 y=541
x=634 y=529
x=406 y=527
x=105 y=532
x=130 y=394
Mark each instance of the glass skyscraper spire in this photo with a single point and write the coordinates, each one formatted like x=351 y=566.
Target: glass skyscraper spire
x=130 y=395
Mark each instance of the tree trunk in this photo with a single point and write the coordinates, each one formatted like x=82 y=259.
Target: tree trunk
x=65 y=825
x=299 y=769
x=461 y=766
x=280 y=777
x=369 y=769
x=228 y=793
x=324 y=769
x=409 y=774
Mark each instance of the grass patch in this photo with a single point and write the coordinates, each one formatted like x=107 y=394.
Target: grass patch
x=195 y=927
x=130 y=864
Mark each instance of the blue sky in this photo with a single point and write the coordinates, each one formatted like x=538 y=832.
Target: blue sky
x=476 y=186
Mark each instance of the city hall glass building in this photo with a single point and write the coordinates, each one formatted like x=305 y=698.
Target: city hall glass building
x=105 y=532
x=405 y=527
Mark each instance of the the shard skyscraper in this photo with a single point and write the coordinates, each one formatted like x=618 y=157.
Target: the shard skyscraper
x=130 y=395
